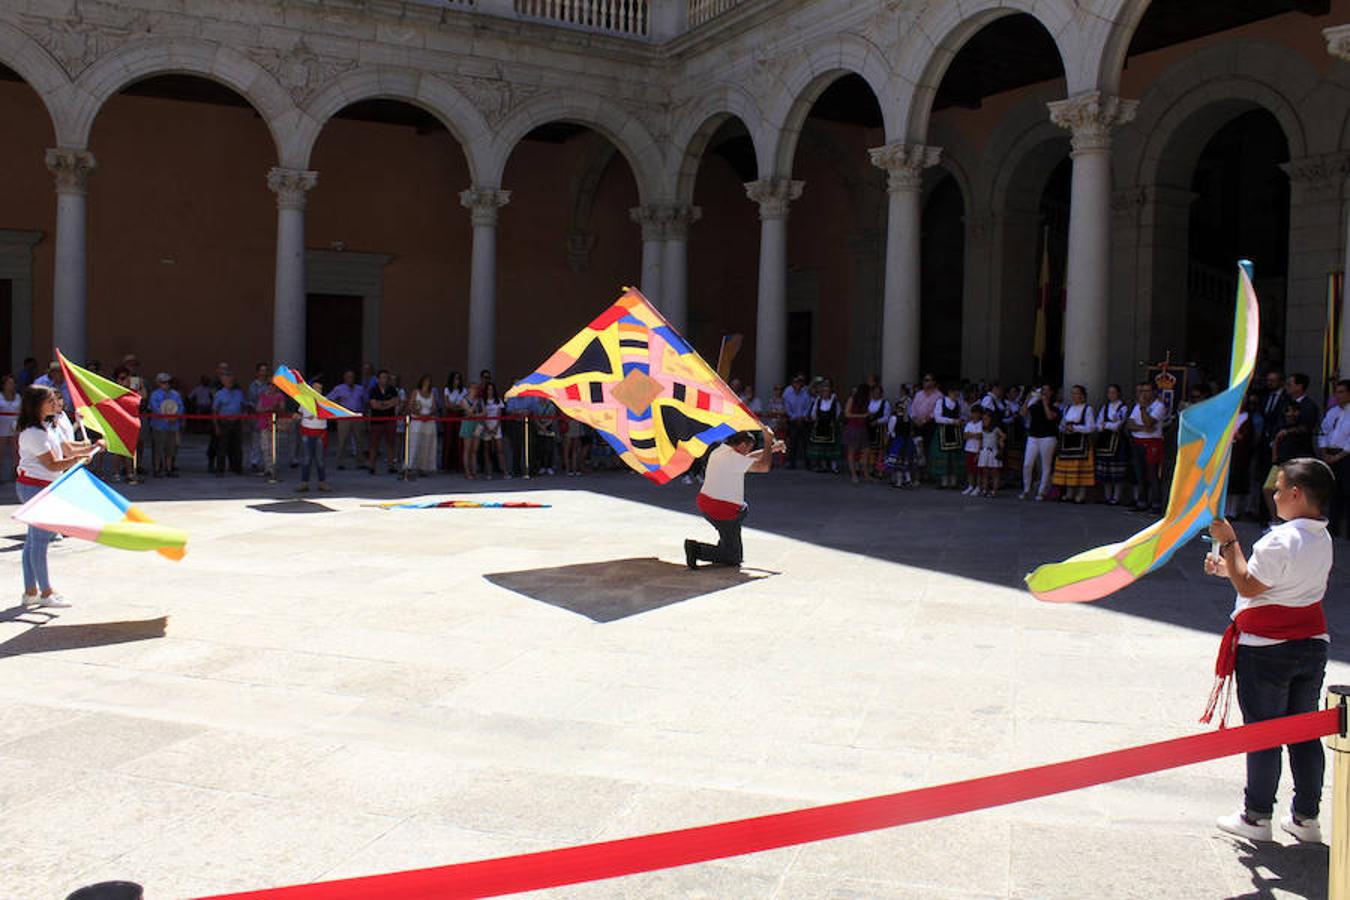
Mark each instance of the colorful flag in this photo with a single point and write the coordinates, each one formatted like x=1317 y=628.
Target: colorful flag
x=634 y=379
x=1199 y=483
x=1331 y=334
x=79 y=505
x=1042 y=307
x=293 y=385
x=458 y=504
x=105 y=406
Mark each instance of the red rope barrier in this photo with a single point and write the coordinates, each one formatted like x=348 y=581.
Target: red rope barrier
x=610 y=859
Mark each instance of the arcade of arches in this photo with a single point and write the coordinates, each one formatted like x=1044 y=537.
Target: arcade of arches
x=856 y=192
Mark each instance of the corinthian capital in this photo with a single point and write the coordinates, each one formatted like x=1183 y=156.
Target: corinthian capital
x=774 y=195
x=1324 y=173
x=654 y=219
x=291 y=186
x=483 y=204
x=904 y=164
x=1338 y=41
x=681 y=217
x=71 y=168
x=1090 y=118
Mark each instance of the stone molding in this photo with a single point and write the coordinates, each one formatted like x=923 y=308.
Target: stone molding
x=904 y=164
x=665 y=221
x=291 y=186
x=681 y=217
x=1325 y=171
x=1338 y=41
x=1090 y=117
x=484 y=204
x=774 y=195
x=72 y=169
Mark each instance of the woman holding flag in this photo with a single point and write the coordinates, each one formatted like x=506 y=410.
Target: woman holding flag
x=43 y=456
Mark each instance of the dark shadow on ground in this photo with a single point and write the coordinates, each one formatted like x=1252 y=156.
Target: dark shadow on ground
x=291 y=506
x=40 y=614
x=619 y=588
x=48 y=638
x=1298 y=870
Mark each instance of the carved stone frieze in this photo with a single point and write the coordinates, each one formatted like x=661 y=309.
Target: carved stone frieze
x=300 y=70
x=1325 y=171
x=78 y=40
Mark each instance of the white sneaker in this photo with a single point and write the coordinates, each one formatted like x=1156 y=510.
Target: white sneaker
x=54 y=601
x=1022 y=496
x=1308 y=831
x=27 y=599
x=1240 y=825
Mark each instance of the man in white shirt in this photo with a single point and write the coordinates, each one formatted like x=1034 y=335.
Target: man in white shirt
x=1333 y=445
x=722 y=499
x=1145 y=425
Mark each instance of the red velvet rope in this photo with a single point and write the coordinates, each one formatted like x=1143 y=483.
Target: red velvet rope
x=610 y=859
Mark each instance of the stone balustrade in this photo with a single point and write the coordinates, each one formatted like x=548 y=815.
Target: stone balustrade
x=624 y=17
x=701 y=11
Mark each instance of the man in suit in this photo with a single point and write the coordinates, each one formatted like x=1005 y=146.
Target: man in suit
x=1273 y=402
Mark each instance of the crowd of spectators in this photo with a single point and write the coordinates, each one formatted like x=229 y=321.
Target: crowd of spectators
x=984 y=439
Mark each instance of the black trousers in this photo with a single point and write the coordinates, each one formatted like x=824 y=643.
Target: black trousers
x=229 y=443
x=727 y=551
x=799 y=432
x=1283 y=680
x=1340 y=502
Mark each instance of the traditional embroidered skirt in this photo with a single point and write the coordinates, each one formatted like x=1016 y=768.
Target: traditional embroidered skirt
x=823 y=445
x=1113 y=462
x=1074 y=472
x=951 y=462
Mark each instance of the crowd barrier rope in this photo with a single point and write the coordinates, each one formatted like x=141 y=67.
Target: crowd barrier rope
x=629 y=856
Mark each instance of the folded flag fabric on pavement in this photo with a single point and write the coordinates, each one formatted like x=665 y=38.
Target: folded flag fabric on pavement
x=293 y=385
x=459 y=504
x=79 y=505
x=105 y=406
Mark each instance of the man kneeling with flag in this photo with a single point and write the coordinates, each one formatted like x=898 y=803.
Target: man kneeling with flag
x=722 y=499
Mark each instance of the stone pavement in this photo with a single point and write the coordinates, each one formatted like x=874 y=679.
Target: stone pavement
x=322 y=690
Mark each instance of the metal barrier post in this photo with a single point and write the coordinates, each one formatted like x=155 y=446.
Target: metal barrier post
x=272 y=472
x=526 y=438
x=1338 y=872
x=407 y=443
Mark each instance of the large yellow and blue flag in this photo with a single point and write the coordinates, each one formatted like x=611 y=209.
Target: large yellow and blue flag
x=1199 y=482
x=638 y=383
x=79 y=505
x=293 y=385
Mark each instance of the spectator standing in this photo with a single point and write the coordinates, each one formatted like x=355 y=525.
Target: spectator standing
x=900 y=450
x=921 y=410
x=382 y=401
x=1243 y=441
x=10 y=401
x=946 y=454
x=199 y=404
x=350 y=431
x=574 y=454
x=228 y=402
x=270 y=407
x=991 y=453
x=166 y=403
x=452 y=399
x=492 y=431
x=1074 y=469
x=797 y=403
x=545 y=427
x=878 y=415
x=973 y=441
x=1273 y=401
x=1145 y=427
x=254 y=427
x=1113 y=446
x=1334 y=448
x=1298 y=436
x=422 y=440
x=1042 y=436
x=470 y=430
x=28 y=373
x=826 y=416
x=775 y=416
x=856 y=432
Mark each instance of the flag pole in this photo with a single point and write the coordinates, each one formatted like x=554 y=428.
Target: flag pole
x=407 y=442
x=273 y=470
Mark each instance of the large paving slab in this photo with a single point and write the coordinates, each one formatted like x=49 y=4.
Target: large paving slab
x=324 y=689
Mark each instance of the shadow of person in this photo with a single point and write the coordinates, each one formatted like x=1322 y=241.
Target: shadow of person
x=291 y=506
x=616 y=589
x=1294 y=870
x=49 y=638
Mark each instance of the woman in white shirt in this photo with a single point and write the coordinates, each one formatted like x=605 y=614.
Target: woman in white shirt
x=9 y=414
x=422 y=436
x=43 y=456
x=492 y=431
x=1113 y=445
x=452 y=402
x=1074 y=459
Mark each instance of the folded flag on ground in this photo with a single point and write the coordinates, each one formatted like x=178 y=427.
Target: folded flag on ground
x=458 y=504
x=293 y=385
x=105 y=406
x=79 y=505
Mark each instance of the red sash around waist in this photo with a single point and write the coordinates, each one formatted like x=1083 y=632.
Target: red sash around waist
x=1279 y=623
x=721 y=510
x=21 y=478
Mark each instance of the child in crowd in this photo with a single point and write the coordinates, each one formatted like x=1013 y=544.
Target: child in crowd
x=901 y=449
x=1276 y=644
x=314 y=435
x=991 y=452
x=972 y=433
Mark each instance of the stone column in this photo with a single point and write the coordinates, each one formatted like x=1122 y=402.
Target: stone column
x=1090 y=118
x=483 y=205
x=653 y=218
x=675 y=266
x=774 y=196
x=1338 y=45
x=904 y=165
x=70 y=283
x=288 y=311
x=1317 y=247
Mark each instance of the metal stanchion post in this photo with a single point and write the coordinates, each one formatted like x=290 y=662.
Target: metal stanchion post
x=526 y=439
x=407 y=443
x=272 y=472
x=1338 y=872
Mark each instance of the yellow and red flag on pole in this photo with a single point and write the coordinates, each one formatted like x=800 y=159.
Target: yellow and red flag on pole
x=105 y=406
x=1331 y=336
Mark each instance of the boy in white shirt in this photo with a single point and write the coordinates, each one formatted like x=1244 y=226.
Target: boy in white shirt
x=1277 y=642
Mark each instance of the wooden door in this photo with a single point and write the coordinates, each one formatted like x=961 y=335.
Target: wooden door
x=332 y=336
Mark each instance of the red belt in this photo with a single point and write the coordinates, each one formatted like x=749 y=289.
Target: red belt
x=21 y=478
x=1279 y=623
